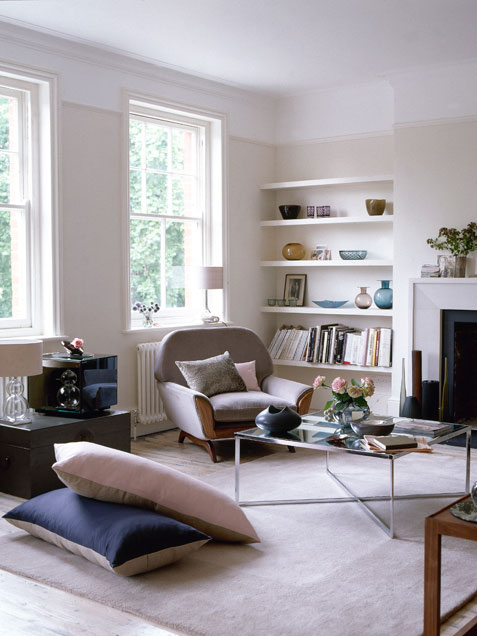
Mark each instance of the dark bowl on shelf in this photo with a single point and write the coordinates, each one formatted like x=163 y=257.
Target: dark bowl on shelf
x=372 y=427
x=289 y=212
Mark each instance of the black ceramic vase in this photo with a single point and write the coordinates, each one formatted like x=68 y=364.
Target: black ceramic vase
x=276 y=420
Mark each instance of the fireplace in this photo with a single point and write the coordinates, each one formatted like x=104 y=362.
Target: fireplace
x=443 y=315
x=459 y=348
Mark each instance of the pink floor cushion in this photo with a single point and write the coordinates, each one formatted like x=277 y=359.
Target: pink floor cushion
x=107 y=474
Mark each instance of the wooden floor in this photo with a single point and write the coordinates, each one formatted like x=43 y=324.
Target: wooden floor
x=27 y=607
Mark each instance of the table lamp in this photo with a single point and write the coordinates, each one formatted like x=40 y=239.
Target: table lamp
x=18 y=358
x=210 y=278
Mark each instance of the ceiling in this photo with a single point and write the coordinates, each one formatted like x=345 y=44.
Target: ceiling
x=278 y=47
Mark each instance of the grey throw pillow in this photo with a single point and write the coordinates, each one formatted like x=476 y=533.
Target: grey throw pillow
x=212 y=375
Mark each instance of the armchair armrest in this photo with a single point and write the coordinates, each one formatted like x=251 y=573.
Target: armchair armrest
x=190 y=410
x=296 y=392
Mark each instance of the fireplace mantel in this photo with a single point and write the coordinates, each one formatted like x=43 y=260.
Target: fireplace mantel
x=428 y=297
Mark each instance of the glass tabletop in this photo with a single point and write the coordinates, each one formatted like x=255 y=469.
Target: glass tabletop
x=315 y=432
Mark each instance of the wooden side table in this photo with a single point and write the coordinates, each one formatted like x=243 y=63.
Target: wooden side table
x=440 y=523
x=27 y=452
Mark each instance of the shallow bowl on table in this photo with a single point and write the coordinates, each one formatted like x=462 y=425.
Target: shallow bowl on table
x=372 y=427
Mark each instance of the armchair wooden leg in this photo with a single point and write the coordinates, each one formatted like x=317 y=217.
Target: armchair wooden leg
x=206 y=443
x=291 y=449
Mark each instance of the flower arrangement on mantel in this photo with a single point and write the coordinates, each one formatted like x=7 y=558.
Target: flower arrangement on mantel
x=457 y=242
x=345 y=395
x=147 y=311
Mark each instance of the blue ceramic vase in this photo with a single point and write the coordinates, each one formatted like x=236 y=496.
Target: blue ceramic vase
x=276 y=420
x=383 y=297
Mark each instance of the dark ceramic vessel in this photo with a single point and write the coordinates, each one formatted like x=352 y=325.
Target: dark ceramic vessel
x=289 y=211
x=276 y=420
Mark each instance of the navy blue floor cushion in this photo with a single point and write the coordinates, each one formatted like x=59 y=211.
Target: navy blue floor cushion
x=124 y=539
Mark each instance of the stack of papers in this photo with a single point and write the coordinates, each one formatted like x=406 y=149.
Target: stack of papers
x=395 y=444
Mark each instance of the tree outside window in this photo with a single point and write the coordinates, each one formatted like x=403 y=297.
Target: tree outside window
x=166 y=205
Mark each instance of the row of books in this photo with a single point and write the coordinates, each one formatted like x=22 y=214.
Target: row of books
x=334 y=344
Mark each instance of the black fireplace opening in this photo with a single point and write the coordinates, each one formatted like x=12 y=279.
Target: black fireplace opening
x=459 y=347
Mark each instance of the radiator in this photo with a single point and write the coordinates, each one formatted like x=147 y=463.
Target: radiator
x=150 y=408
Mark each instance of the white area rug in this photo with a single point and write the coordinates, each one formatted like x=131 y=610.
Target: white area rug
x=321 y=569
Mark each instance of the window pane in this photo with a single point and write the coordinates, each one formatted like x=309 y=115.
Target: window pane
x=145 y=254
x=136 y=129
x=184 y=150
x=184 y=196
x=135 y=194
x=157 y=142
x=13 y=265
x=8 y=123
x=183 y=250
x=156 y=193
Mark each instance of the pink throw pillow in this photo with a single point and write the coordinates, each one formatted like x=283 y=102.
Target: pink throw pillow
x=249 y=376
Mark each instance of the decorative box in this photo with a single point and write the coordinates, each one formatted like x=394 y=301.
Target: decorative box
x=75 y=386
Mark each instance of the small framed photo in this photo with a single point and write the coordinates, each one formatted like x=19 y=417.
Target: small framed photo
x=295 y=288
x=321 y=253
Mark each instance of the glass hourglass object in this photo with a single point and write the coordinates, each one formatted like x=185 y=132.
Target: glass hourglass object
x=68 y=395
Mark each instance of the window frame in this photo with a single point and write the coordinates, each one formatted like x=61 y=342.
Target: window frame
x=212 y=126
x=39 y=200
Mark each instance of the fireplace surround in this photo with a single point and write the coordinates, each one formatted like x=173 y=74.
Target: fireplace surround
x=436 y=303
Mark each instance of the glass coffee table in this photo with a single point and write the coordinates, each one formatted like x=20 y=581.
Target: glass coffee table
x=316 y=434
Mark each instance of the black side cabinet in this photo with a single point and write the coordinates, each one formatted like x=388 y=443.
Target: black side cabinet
x=27 y=453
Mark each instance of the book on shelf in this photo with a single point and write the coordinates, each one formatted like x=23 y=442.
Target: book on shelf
x=333 y=344
x=391 y=442
x=428 y=428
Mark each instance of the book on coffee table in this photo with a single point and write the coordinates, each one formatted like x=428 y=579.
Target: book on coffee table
x=391 y=442
x=423 y=427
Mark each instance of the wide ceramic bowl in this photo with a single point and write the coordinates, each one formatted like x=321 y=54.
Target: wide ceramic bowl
x=289 y=211
x=329 y=304
x=278 y=421
x=372 y=427
x=353 y=255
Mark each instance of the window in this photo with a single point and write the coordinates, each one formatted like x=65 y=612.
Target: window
x=170 y=210
x=26 y=294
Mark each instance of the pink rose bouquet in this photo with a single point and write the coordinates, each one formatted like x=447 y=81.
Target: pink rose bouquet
x=345 y=394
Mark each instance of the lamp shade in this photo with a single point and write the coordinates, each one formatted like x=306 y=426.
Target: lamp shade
x=210 y=278
x=20 y=357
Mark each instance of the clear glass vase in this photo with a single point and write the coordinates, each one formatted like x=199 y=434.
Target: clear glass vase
x=351 y=413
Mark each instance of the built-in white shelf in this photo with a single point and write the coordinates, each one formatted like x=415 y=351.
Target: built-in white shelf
x=355 y=263
x=318 y=183
x=343 y=367
x=340 y=311
x=329 y=220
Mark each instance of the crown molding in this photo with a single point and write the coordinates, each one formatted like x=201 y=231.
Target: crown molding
x=444 y=121
x=113 y=59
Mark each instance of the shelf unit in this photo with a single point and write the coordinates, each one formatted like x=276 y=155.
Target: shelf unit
x=336 y=367
x=336 y=263
x=346 y=195
x=346 y=311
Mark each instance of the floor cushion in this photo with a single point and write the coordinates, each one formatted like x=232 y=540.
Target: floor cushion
x=108 y=474
x=124 y=539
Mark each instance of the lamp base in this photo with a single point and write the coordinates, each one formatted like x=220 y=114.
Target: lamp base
x=16 y=410
x=208 y=318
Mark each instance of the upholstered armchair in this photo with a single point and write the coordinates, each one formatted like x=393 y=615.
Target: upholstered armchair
x=203 y=419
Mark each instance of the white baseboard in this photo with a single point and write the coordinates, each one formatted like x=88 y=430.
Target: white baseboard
x=148 y=429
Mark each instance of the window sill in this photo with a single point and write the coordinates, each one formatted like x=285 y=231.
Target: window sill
x=162 y=330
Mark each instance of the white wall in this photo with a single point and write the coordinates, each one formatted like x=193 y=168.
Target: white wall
x=427 y=139
x=91 y=201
